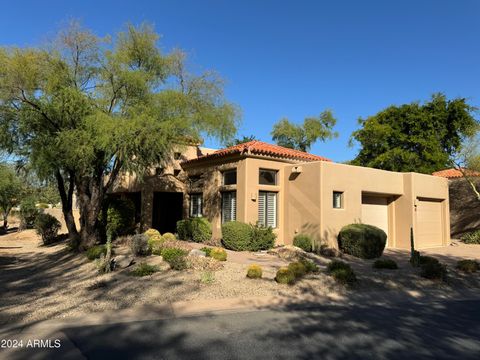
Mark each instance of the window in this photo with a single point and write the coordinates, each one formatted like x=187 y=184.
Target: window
x=177 y=156
x=230 y=177
x=267 y=208
x=196 y=205
x=338 y=199
x=267 y=177
x=229 y=206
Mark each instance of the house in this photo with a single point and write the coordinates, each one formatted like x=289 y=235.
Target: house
x=293 y=192
x=464 y=204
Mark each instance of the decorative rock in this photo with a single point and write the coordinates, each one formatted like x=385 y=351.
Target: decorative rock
x=196 y=252
x=123 y=261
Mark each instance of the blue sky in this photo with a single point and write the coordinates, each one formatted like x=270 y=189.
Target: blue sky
x=295 y=58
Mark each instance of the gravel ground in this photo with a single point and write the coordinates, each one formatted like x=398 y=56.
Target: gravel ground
x=42 y=282
x=38 y=283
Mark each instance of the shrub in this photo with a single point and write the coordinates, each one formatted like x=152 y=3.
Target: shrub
x=206 y=250
x=207 y=277
x=385 y=264
x=152 y=233
x=310 y=266
x=95 y=252
x=297 y=268
x=43 y=206
x=285 y=276
x=28 y=213
x=415 y=258
x=433 y=271
x=168 y=237
x=144 y=269
x=154 y=240
x=254 y=271
x=341 y=272
x=469 y=266
x=303 y=241
x=424 y=260
x=156 y=247
x=47 y=227
x=195 y=229
x=362 y=241
x=261 y=238
x=236 y=235
x=139 y=245
x=471 y=237
x=171 y=253
x=120 y=217
x=218 y=254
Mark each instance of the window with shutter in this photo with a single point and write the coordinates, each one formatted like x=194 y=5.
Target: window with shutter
x=196 y=205
x=229 y=206
x=267 y=208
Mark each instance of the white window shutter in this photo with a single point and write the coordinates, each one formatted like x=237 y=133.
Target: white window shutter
x=261 y=208
x=271 y=209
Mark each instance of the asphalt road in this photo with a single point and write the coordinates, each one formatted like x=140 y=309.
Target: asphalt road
x=440 y=330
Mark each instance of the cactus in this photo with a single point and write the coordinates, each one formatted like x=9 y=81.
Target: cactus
x=414 y=254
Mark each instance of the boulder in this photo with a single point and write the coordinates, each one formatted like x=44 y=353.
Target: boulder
x=123 y=261
x=197 y=252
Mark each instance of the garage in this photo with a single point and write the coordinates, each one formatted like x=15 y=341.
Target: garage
x=375 y=211
x=429 y=223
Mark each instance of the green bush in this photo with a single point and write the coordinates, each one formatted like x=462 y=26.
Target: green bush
x=285 y=276
x=155 y=246
x=423 y=260
x=469 y=266
x=47 y=227
x=179 y=263
x=297 y=268
x=310 y=266
x=362 y=241
x=236 y=235
x=197 y=229
x=254 y=271
x=206 y=250
x=433 y=271
x=341 y=272
x=385 y=264
x=171 y=253
x=303 y=241
x=120 y=217
x=261 y=238
x=471 y=237
x=95 y=252
x=144 y=269
x=218 y=254
x=28 y=213
x=139 y=245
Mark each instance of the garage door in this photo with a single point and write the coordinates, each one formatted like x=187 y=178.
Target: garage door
x=429 y=223
x=375 y=212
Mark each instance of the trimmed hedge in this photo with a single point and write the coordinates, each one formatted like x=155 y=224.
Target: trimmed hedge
x=197 y=229
x=362 y=241
x=239 y=236
x=303 y=241
x=236 y=235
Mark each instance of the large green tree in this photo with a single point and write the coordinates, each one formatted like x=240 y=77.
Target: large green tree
x=11 y=188
x=84 y=109
x=302 y=137
x=415 y=137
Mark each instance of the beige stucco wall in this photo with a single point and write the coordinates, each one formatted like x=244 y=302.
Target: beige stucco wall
x=310 y=196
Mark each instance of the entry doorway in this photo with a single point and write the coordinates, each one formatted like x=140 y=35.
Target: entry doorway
x=167 y=210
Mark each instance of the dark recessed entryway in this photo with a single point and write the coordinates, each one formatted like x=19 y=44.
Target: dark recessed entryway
x=167 y=210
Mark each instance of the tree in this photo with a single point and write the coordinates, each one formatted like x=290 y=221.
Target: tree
x=85 y=109
x=241 y=140
x=10 y=192
x=415 y=137
x=467 y=161
x=301 y=137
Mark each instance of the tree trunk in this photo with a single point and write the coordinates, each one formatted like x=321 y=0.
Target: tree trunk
x=66 y=196
x=90 y=192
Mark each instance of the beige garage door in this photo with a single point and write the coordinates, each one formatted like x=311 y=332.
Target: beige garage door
x=429 y=223
x=375 y=212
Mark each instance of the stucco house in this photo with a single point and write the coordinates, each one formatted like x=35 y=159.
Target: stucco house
x=464 y=205
x=293 y=192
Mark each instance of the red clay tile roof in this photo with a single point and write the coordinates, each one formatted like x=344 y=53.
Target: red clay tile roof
x=261 y=148
x=455 y=173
